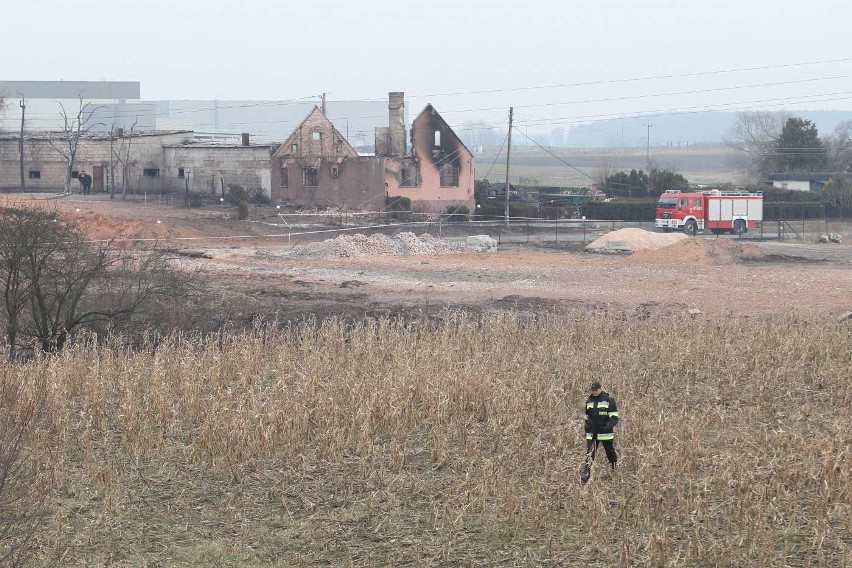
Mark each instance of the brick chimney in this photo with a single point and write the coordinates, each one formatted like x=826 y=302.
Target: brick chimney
x=396 y=123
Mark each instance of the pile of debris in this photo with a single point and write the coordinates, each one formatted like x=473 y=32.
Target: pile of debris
x=831 y=238
x=401 y=244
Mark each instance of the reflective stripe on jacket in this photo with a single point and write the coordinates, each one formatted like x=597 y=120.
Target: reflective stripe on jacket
x=601 y=417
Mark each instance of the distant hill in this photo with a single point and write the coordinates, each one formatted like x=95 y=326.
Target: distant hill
x=679 y=130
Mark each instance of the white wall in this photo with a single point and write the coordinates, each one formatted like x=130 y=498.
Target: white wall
x=43 y=114
x=796 y=185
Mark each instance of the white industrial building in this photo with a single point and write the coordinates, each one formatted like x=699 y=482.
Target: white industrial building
x=118 y=104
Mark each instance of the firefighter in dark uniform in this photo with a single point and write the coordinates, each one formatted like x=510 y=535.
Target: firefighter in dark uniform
x=601 y=418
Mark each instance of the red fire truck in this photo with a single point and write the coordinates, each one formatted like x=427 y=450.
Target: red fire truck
x=720 y=212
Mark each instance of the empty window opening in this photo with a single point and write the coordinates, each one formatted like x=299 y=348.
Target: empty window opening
x=449 y=175
x=340 y=147
x=181 y=172
x=335 y=172
x=294 y=148
x=35 y=174
x=75 y=174
x=309 y=177
x=150 y=172
x=284 y=177
x=437 y=138
x=316 y=136
x=408 y=177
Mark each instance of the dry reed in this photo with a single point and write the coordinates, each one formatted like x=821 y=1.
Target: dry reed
x=455 y=442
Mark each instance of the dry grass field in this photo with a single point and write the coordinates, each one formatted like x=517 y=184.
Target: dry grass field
x=451 y=438
x=449 y=443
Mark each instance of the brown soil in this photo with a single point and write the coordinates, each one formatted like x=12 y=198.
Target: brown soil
x=258 y=266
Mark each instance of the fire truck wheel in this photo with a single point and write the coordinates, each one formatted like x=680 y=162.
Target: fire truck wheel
x=739 y=227
x=690 y=228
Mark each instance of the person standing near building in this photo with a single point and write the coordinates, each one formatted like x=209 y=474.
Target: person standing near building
x=601 y=418
x=85 y=182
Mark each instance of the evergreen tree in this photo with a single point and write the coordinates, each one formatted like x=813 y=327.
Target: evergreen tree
x=799 y=148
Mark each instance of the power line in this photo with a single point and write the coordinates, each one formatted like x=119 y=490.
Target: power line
x=497 y=157
x=753 y=104
x=636 y=79
x=555 y=156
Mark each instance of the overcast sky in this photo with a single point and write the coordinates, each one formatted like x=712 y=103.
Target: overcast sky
x=558 y=62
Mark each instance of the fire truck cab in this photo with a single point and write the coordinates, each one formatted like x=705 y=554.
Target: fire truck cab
x=720 y=212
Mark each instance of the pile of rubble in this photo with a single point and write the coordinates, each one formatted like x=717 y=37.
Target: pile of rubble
x=401 y=244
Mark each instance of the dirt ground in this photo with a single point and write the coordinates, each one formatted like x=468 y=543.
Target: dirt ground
x=263 y=262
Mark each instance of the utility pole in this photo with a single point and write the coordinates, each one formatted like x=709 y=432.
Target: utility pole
x=21 y=142
x=648 y=146
x=111 y=176
x=508 y=154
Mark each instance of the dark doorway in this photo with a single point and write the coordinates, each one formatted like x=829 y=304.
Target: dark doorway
x=98 y=178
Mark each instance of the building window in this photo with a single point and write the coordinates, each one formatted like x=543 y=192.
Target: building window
x=294 y=148
x=284 y=177
x=35 y=174
x=335 y=172
x=449 y=175
x=181 y=173
x=150 y=172
x=408 y=177
x=339 y=147
x=437 y=138
x=309 y=178
x=316 y=136
x=75 y=174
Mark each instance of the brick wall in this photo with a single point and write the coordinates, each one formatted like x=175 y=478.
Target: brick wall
x=205 y=167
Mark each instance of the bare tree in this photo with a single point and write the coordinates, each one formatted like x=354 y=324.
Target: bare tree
x=756 y=134
x=122 y=155
x=603 y=171
x=55 y=280
x=74 y=127
x=838 y=192
x=839 y=148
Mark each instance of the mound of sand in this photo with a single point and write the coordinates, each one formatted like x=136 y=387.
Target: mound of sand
x=700 y=251
x=633 y=240
x=363 y=245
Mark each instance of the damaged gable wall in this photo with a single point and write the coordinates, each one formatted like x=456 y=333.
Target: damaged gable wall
x=307 y=168
x=440 y=167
